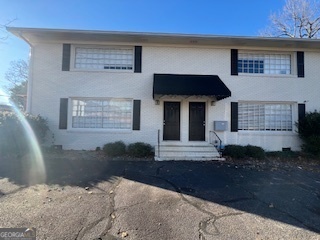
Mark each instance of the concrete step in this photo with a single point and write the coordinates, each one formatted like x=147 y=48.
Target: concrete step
x=190 y=153
x=162 y=158
x=205 y=152
x=186 y=147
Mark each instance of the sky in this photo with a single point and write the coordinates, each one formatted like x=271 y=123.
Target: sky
x=223 y=17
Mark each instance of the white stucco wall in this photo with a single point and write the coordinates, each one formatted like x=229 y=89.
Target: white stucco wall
x=50 y=84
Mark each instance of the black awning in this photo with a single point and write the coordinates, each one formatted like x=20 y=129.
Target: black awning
x=189 y=85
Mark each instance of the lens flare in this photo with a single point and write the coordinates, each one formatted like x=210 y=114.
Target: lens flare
x=35 y=171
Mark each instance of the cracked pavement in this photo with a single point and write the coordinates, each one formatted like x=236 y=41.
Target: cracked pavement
x=96 y=199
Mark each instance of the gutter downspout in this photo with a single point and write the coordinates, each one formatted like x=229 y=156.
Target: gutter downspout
x=30 y=75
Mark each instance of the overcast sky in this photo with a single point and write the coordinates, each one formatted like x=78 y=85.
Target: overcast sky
x=223 y=17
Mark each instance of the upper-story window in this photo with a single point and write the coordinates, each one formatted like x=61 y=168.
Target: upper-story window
x=99 y=58
x=264 y=63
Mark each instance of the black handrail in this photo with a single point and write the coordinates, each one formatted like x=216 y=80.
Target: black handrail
x=158 y=143
x=211 y=140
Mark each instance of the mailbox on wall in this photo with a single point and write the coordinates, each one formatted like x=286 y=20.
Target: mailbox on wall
x=220 y=125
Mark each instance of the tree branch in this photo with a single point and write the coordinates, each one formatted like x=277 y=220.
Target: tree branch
x=298 y=19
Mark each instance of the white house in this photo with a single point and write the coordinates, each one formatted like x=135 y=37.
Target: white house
x=5 y=104
x=179 y=93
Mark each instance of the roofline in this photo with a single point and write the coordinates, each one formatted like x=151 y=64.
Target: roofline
x=123 y=33
x=27 y=33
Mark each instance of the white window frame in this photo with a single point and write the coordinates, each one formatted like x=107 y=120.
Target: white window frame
x=261 y=121
x=260 y=55
x=73 y=58
x=97 y=129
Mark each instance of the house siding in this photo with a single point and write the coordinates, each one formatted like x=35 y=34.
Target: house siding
x=50 y=84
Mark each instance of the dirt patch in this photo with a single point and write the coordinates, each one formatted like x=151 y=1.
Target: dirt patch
x=301 y=162
x=96 y=155
x=277 y=163
x=80 y=168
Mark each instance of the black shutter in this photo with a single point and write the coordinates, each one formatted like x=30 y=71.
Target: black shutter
x=66 y=52
x=136 y=114
x=63 y=117
x=234 y=61
x=300 y=64
x=301 y=111
x=137 y=59
x=234 y=117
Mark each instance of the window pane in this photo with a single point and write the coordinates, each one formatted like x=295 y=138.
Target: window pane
x=264 y=63
x=265 y=117
x=106 y=113
x=104 y=58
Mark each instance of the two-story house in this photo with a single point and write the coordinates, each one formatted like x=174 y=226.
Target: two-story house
x=179 y=93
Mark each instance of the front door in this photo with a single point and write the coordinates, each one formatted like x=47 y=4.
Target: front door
x=197 y=124
x=171 y=121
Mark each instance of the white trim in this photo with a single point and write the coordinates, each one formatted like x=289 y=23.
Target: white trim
x=30 y=81
x=261 y=75
x=265 y=133
x=99 y=130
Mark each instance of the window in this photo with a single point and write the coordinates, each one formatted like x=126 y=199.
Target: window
x=102 y=113
x=103 y=58
x=264 y=63
x=265 y=117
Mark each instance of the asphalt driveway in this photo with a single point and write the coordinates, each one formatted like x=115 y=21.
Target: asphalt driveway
x=91 y=198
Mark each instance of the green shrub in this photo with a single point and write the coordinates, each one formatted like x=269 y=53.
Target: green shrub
x=39 y=126
x=15 y=136
x=254 y=152
x=115 y=149
x=238 y=151
x=309 y=132
x=312 y=145
x=234 y=151
x=139 y=149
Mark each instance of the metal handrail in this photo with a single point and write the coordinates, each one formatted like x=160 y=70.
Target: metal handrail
x=214 y=143
x=158 y=143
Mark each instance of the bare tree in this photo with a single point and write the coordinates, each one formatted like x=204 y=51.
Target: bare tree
x=298 y=19
x=17 y=72
x=17 y=78
x=3 y=31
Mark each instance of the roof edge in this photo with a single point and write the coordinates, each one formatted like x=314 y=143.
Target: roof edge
x=31 y=35
x=157 y=34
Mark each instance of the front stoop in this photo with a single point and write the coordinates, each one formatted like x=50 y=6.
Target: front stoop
x=187 y=152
